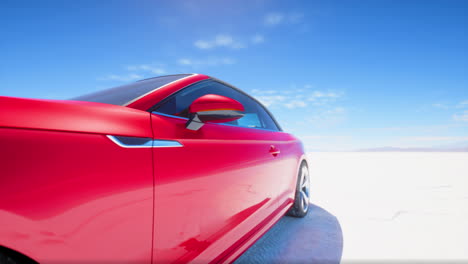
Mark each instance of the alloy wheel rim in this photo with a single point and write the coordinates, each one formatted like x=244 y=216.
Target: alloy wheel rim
x=304 y=189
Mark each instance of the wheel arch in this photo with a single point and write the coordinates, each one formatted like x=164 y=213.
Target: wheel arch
x=303 y=159
x=17 y=255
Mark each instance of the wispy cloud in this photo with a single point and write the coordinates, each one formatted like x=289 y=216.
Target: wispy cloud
x=257 y=39
x=450 y=105
x=440 y=106
x=321 y=106
x=213 y=61
x=318 y=98
x=320 y=94
x=220 y=40
x=295 y=104
x=296 y=98
x=270 y=99
x=136 y=72
x=461 y=117
x=437 y=138
x=460 y=106
x=277 y=18
x=274 y=18
x=147 y=68
x=122 y=78
x=463 y=104
x=327 y=117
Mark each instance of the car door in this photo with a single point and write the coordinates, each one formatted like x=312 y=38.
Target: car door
x=213 y=185
x=287 y=151
x=76 y=182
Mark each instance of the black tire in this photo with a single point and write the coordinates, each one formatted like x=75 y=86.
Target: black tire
x=8 y=256
x=300 y=208
x=4 y=259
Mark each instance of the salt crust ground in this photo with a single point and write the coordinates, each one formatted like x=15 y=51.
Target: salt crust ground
x=376 y=207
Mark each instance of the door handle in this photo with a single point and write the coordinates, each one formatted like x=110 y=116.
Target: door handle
x=274 y=151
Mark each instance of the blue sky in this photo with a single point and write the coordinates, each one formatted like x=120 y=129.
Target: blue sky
x=340 y=75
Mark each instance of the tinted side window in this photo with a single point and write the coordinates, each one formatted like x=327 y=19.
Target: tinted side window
x=255 y=115
x=267 y=119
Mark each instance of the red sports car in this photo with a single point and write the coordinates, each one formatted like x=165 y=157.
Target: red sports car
x=178 y=168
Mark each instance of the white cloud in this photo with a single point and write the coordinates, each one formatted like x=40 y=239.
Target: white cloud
x=147 y=68
x=436 y=138
x=450 y=105
x=220 y=40
x=295 y=104
x=136 y=72
x=159 y=71
x=202 y=44
x=206 y=62
x=336 y=110
x=322 y=111
x=256 y=91
x=238 y=45
x=223 y=40
x=273 y=19
x=463 y=104
x=440 y=106
x=269 y=100
x=277 y=18
x=296 y=98
x=462 y=117
x=321 y=94
x=122 y=78
x=319 y=98
x=257 y=39
x=185 y=61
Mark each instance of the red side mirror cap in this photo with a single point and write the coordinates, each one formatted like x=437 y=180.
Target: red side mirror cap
x=215 y=109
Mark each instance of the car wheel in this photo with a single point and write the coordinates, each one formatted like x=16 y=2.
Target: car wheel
x=4 y=259
x=300 y=207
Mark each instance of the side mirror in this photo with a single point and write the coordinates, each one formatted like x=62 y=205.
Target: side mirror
x=213 y=108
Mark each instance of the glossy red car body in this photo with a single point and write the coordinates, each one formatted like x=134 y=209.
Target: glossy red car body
x=69 y=193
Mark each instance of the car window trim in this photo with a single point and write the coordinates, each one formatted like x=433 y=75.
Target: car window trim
x=185 y=118
x=157 y=88
x=167 y=98
x=211 y=79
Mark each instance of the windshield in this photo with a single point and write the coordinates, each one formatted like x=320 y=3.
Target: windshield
x=123 y=95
